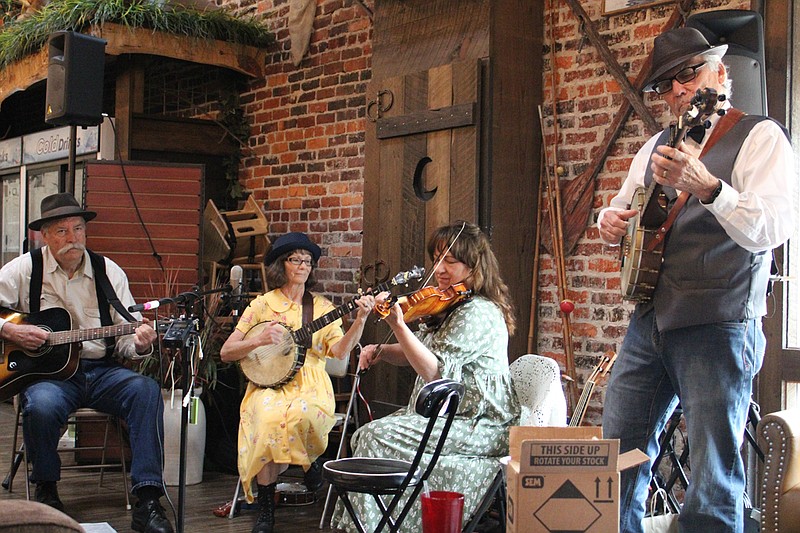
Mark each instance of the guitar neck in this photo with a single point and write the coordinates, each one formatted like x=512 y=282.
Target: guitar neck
x=583 y=402
x=80 y=335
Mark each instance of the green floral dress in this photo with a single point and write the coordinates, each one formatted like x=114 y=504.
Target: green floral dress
x=471 y=346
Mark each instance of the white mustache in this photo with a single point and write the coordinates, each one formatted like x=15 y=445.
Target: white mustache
x=73 y=246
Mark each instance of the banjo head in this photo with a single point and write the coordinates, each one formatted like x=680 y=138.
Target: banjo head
x=272 y=365
x=639 y=269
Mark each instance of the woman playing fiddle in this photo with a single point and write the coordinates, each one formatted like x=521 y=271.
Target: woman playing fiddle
x=288 y=424
x=468 y=345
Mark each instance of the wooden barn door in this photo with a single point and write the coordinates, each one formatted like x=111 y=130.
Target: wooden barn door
x=421 y=171
x=422 y=161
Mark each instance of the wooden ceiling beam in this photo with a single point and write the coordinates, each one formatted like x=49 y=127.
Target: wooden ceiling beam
x=247 y=60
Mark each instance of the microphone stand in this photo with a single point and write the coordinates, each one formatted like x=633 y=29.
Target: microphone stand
x=181 y=336
x=236 y=304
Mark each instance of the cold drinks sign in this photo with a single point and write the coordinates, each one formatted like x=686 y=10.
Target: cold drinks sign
x=54 y=144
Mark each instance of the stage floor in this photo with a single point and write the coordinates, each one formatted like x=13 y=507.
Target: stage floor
x=86 y=502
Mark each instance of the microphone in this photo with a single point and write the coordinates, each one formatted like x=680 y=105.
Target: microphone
x=236 y=283
x=236 y=279
x=153 y=304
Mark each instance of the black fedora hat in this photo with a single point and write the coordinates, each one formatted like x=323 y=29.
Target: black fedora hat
x=290 y=242
x=673 y=47
x=60 y=205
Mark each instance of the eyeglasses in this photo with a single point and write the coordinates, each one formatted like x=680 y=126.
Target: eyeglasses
x=682 y=76
x=297 y=261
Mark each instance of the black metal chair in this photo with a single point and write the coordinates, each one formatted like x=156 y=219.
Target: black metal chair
x=392 y=477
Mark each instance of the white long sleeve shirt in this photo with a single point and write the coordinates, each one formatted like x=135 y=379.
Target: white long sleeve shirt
x=757 y=209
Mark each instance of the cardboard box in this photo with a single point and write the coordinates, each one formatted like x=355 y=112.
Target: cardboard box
x=564 y=479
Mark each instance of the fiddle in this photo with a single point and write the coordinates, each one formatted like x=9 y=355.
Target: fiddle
x=426 y=302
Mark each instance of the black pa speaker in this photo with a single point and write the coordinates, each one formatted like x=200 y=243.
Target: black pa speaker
x=75 y=79
x=743 y=32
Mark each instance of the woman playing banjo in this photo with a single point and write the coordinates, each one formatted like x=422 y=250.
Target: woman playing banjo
x=289 y=423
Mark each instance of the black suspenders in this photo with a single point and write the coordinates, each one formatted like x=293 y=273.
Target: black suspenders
x=103 y=289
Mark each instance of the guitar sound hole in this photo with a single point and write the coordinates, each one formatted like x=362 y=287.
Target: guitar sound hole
x=44 y=348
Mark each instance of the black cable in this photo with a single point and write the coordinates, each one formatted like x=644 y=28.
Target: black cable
x=133 y=198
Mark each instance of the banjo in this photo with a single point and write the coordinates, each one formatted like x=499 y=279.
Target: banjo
x=641 y=251
x=273 y=365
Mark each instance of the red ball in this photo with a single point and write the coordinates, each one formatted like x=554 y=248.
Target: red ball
x=567 y=306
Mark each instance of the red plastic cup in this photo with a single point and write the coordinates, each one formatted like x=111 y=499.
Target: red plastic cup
x=441 y=511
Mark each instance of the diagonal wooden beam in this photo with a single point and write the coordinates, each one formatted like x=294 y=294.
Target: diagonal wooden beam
x=578 y=194
x=631 y=94
x=625 y=108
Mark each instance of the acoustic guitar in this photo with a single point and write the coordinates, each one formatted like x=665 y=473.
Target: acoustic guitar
x=273 y=365
x=57 y=358
x=602 y=368
x=642 y=247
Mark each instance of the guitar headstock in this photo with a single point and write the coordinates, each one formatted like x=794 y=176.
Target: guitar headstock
x=604 y=366
x=416 y=272
x=606 y=361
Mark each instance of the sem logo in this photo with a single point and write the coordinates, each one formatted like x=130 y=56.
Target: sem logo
x=532 y=482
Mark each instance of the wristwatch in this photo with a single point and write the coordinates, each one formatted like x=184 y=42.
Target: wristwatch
x=714 y=194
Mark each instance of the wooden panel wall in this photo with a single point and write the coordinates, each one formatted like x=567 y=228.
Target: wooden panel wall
x=505 y=37
x=406 y=220
x=169 y=199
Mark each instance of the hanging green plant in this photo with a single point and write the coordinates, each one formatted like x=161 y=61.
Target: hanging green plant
x=19 y=38
x=235 y=123
x=8 y=11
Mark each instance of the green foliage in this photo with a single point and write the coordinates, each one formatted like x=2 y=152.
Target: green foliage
x=8 y=11
x=20 y=38
x=233 y=119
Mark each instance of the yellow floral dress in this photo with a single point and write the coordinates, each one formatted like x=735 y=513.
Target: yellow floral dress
x=288 y=425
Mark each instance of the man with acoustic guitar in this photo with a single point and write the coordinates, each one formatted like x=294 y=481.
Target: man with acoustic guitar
x=65 y=279
x=695 y=336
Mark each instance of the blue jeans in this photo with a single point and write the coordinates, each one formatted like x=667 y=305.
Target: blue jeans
x=105 y=386
x=710 y=370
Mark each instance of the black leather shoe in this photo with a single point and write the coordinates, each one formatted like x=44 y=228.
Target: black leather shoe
x=312 y=479
x=149 y=517
x=47 y=493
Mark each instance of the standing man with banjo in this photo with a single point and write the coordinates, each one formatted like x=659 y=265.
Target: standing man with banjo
x=697 y=338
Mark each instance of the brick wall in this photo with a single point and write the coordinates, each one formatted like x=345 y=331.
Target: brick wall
x=306 y=154
x=305 y=159
x=587 y=100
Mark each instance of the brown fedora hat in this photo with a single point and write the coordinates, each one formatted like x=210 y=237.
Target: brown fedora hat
x=60 y=205
x=673 y=47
